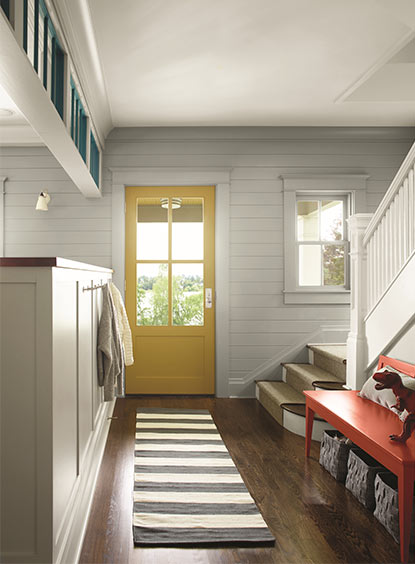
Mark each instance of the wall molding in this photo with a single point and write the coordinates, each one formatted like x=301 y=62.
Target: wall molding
x=191 y=176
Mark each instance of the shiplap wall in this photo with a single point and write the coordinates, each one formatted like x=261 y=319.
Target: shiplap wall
x=74 y=227
x=261 y=325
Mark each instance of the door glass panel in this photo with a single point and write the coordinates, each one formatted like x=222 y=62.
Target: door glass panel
x=307 y=221
x=187 y=294
x=152 y=294
x=331 y=220
x=309 y=265
x=187 y=229
x=152 y=230
x=333 y=265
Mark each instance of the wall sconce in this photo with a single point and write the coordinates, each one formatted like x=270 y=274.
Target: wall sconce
x=43 y=201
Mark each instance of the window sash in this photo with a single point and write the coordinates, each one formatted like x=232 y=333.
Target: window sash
x=309 y=197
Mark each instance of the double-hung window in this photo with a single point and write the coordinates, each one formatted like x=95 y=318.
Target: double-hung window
x=316 y=247
x=321 y=241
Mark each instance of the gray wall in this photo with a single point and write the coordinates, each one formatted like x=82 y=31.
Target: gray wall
x=261 y=325
x=74 y=227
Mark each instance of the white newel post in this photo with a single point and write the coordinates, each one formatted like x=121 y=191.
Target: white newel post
x=356 y=341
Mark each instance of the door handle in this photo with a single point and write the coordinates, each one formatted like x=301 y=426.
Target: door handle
x=208 y=297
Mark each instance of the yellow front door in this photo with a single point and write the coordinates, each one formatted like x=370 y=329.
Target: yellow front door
x=170 y=276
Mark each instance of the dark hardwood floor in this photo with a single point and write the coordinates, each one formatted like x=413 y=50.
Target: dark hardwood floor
x=314 y=518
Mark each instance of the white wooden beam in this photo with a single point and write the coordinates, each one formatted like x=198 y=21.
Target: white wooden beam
x=22 y=84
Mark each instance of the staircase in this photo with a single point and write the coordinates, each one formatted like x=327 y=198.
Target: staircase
x=285 y=401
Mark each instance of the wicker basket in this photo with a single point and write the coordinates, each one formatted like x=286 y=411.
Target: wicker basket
x=386 y=496
x=334 y=454
x=361 y=474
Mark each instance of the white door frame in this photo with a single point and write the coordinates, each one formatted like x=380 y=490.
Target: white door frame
x=161 y=176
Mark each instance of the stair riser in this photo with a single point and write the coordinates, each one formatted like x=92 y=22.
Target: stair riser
x=296 y=424
x=297 y=382
x=332 y=366
x=270 y=405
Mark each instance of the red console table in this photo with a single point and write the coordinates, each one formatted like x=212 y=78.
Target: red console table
x=369 y=425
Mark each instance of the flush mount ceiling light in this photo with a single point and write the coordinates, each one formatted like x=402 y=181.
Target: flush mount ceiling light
x=43 y=201
x=176 y=203
x=4 y=112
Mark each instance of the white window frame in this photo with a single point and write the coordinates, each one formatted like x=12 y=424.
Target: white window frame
x=319 y=197
x=350 y=186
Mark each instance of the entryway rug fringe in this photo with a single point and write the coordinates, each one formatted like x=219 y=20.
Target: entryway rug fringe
x=187 y=489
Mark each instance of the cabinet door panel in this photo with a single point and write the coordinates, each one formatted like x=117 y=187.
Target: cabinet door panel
x=97 y=392
x=65 y=396
x=85 y=407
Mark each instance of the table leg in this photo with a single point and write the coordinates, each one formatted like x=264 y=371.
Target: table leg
x=309 y=419
x=405 y=495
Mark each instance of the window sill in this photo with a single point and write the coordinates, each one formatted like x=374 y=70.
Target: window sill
x=317 y=297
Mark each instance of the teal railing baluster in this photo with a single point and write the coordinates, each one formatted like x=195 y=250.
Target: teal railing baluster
x=45 y=51
x=25 y=25
x=36 y=37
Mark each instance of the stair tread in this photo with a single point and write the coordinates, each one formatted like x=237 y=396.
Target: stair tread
x=281 y=392
x=286 y=397
x=334 y=352
x=312 y=373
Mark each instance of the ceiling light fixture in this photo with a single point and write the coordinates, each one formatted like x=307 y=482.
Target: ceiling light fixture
x=43 y=201
x=176 y=203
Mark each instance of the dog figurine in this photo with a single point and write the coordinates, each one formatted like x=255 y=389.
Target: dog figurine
x=405 y=400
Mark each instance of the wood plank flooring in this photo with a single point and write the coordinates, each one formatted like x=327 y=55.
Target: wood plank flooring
x=314 y=518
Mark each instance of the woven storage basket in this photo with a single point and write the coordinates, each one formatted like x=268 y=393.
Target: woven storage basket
x=386 y=496
x=361 y=474
x=334 y=454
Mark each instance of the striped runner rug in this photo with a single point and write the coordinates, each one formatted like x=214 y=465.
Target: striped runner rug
x=187 y=490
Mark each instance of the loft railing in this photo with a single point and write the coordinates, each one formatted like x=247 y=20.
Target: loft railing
x=36 y=33
x=390 y=236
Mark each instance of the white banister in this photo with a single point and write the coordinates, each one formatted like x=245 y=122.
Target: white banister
x=402 y=173
x=356 y=342
x=390 y=236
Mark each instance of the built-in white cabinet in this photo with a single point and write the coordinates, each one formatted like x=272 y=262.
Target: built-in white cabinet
x=54 y=422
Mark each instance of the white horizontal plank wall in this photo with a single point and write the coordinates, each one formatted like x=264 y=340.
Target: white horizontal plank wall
x=75 y=227
x=261 y=326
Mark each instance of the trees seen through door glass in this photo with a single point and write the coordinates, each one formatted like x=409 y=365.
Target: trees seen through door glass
x=169 y=254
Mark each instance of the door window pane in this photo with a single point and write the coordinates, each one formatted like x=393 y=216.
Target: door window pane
x=152 y=294
x=307 y=221
x=152 y=230
x=331 y=220
x=333 y=265
x=309 y=265
x=187 y=294
x=187 y=229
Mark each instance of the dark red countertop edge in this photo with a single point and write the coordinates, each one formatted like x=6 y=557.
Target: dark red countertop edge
x=58 y=262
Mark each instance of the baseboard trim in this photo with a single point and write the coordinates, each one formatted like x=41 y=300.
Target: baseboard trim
x=69 y=545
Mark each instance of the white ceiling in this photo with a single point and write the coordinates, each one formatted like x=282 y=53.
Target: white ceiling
x=237 y=62
x=256 y=62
